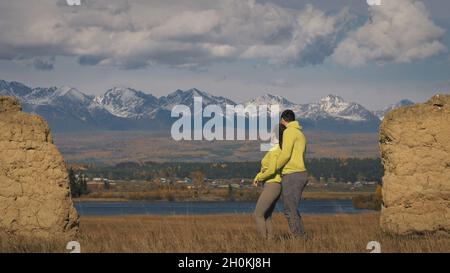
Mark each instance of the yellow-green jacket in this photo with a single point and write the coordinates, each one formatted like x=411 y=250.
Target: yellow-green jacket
x=291 y=158
x=269 y=171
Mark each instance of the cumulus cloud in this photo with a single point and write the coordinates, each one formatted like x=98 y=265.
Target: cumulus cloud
x=188 y=26
x=312 y=38
x=398 y=31
x=134 y=34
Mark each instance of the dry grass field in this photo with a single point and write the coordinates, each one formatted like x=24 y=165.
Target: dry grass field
x=230 y=233
x=112 y=147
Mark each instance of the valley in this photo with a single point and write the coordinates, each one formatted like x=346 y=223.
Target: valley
x=112 y=147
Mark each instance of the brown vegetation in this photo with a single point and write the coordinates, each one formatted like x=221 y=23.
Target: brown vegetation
x=177 y=194
x=224 y=194
x=114 y=147
x=231 y=233
x=369 y=201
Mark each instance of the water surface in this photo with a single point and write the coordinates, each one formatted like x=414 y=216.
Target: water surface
x=199 y=208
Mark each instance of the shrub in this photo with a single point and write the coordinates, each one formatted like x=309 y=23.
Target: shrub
x=372 y=201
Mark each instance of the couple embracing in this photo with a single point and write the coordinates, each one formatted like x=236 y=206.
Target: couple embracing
x=284 y=174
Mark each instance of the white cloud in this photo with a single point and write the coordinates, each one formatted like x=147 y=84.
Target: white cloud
x=187 y=25
x=280 y=36
x=398 y=31
x=192 y=34
x=314 y=37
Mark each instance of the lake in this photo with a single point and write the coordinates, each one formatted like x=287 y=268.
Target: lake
x=198 y=208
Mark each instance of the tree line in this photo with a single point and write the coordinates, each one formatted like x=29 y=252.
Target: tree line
x=322 y=169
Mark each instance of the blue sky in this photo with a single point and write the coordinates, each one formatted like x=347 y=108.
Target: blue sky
x=302 y=50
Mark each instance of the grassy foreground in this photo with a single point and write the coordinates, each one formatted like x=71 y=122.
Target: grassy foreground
x=230 y=233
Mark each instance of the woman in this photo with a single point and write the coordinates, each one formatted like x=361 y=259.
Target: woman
x=272 y=185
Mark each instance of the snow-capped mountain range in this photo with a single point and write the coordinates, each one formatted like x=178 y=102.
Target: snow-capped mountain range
x=127 y=103
x=331 y=106
x=122 y=108
x=381 y=113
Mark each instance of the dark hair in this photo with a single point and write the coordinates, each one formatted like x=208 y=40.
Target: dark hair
x=288 y=115
x=281 y=129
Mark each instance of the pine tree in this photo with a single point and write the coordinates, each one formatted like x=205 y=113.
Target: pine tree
x=73 y=184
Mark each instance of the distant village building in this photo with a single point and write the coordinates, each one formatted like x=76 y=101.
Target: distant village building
x=100 y=182
x=186 y=180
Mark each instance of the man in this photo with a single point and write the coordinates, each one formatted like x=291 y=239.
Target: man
x=294 y=175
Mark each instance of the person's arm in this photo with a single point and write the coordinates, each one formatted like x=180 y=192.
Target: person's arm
x=257 y=176
x=270 y=170
x=286 y=151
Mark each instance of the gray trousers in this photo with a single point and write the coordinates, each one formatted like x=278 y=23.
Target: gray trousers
x=292 y=189
x=265 y=207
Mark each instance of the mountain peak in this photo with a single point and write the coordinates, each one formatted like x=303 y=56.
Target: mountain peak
x=270 y=99
x=126 y=93
x=272 y=96
x=180 y=97
x=332 y=99
x=119 y=92
x=14 y=89
x=121 y=89
x=381 y=113
x=65 y=89
x=405 y=102
x=127 y=102
x=269 y=95
x=196 y=92
x=68 y=92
